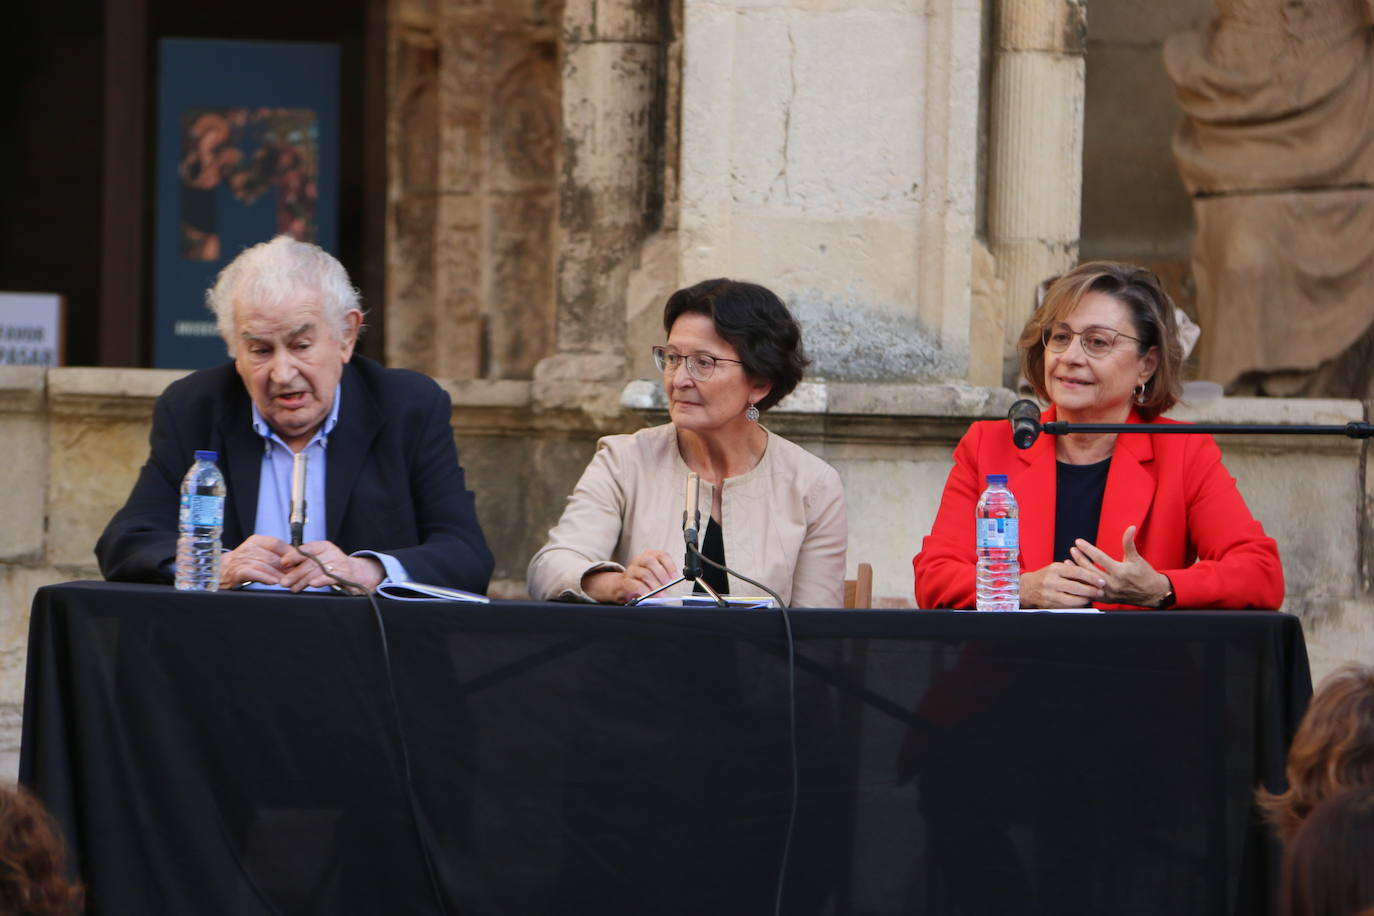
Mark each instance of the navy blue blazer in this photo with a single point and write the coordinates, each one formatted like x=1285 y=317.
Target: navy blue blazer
x=394 y=484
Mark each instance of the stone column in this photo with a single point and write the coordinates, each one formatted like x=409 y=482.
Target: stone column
x=1035 y=150
x=612 y=84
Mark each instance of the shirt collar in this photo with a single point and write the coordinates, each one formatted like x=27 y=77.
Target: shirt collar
x=321 y=435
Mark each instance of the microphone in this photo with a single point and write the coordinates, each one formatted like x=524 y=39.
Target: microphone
x=298 y=499
x=691 y=519
x=1025 y=423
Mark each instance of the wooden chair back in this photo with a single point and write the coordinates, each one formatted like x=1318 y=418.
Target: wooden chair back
x=858 y=592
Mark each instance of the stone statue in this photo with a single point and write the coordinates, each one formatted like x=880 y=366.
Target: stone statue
x=1277 y=149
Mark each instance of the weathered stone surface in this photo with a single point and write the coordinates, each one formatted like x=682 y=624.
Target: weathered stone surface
x=987 y=316
x=646 y=292
x=413 y=139
x=587 y=382
x=98 y=439
x=11 y=731
x=612 y=20
x=93 y=467
x=1056 y=26
x=524 y=123
x=458 y=279
x=24 y=468
x=519 y=315
x=828 y=153
x=473 y=130
x=411 y=325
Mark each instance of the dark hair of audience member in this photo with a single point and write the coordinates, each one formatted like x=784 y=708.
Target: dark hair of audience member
x=1328 y=865
x=33 y=878
x=755 y=322
x=1332 y=750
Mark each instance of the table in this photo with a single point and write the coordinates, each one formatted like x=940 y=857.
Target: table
x=240 y=753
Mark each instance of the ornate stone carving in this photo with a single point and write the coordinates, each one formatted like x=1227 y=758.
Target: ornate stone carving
x=1277 y=148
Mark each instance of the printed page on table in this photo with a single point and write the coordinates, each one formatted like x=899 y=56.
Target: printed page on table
x=419 y=591
x=745 y=601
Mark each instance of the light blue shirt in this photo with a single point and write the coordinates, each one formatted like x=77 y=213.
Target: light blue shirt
x=274 y=490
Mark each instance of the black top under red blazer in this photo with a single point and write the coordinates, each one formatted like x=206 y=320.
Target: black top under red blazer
x=393 y=481
x=1191 y=522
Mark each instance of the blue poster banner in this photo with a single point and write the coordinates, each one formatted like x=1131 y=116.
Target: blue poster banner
x=247 y=149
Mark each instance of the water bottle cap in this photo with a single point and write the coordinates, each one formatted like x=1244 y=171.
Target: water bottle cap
x=206 y=455
x=998 y=478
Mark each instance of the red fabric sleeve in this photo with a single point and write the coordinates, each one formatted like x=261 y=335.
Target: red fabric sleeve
x=946 y=566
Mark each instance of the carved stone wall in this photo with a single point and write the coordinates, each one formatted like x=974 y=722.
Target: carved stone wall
x=473 y=128
x=1135 y=207
x=611 y=196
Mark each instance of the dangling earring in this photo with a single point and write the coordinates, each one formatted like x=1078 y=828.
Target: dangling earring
x=752 y=414
x=1140 y=393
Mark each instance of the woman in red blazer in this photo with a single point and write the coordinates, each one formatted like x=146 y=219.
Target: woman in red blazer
x=1110 y=521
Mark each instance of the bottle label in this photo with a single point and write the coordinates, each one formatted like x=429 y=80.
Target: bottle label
x=202 y=511
x=997 y=533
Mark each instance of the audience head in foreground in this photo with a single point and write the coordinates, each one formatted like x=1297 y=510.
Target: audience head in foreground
x=385 y=497
x=1332 y=750
x=1328 y=864
x=776 y=513
x=33 y=879
x=1107 y=520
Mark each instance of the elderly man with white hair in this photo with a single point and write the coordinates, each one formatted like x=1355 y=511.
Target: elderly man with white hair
x=385 y=492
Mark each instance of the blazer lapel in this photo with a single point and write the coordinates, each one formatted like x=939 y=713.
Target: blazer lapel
x=1130 y=489
x=242 y=468
x=360 y=419
x=1034 y=486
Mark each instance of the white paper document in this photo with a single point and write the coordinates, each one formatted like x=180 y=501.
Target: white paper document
x=419 y=591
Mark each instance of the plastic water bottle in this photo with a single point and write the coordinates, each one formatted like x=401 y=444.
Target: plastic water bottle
x=200 y=526
x=999 y=572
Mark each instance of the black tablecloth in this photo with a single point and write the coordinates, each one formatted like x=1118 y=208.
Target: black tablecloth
x=241 y=754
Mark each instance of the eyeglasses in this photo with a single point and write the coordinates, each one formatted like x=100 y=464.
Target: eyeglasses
x=699 y=365
x=1097 y=342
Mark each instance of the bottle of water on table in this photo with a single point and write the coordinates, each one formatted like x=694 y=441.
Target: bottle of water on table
x=999 y=572
x=200 y=525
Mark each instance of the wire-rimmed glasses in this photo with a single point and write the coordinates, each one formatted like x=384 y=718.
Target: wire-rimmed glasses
x=1097 y=341
x=699 y=365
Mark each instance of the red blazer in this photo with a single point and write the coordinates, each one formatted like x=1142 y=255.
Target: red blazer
x=1191 y=522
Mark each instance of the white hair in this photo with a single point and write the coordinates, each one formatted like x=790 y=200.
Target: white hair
x=272 y=272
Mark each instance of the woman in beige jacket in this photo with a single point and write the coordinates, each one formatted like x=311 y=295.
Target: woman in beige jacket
x=777 y=511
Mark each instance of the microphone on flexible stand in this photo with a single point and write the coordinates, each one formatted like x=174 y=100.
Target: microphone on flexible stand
x=691 y=561
x=1025 y=423
x=1026 y=427
x=691 y=524
x=297 y=520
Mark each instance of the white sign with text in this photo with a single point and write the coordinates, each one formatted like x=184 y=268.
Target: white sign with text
x=30 y=329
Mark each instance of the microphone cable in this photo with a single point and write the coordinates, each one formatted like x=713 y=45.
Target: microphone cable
x=350 y=587
x=791 y=727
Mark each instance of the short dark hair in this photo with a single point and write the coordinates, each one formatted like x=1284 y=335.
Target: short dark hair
x=1328 y=866
x=755 y=322
x=1152 y=314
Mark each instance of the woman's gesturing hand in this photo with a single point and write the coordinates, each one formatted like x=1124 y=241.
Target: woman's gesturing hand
x=645 y=573
x=1130 y=580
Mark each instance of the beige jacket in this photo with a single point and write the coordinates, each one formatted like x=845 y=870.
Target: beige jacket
x=783 y=522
